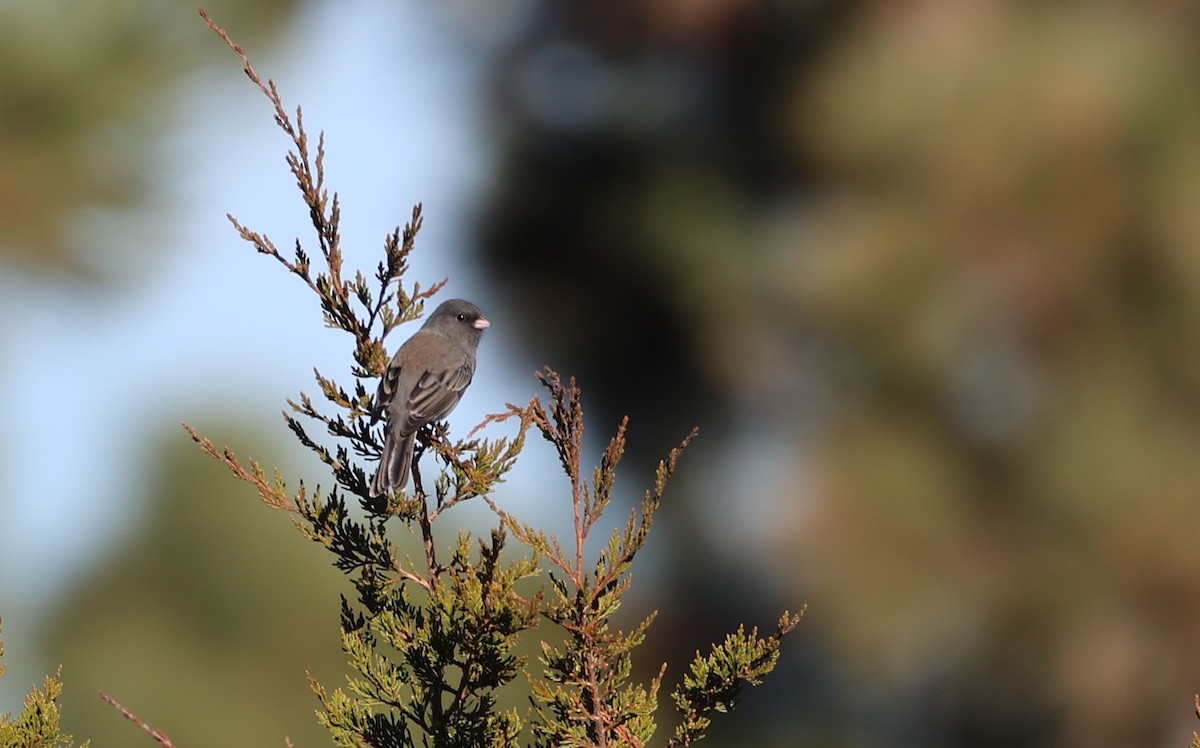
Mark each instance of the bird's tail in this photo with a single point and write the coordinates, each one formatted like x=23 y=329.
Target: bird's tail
x=393 y=464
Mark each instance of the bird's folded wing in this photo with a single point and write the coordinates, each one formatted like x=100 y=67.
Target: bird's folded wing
x=436 y=394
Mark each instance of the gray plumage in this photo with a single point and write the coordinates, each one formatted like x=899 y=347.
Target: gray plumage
x=424 y=381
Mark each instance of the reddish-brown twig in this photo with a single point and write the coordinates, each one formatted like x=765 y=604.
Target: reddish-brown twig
x=158 y=735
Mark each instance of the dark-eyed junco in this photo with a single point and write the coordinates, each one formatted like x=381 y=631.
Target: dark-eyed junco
x=424 y=381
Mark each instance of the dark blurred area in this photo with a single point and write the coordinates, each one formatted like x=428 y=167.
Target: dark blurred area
x=939 y=261
x=637 y=142
x=926 y=275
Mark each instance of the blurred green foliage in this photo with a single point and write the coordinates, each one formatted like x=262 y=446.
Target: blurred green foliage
x=1008 y=245
x=85 y=89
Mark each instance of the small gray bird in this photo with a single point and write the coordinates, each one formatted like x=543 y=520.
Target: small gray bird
x=424 y=381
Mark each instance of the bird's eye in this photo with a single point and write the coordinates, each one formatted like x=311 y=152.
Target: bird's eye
x=462 y=317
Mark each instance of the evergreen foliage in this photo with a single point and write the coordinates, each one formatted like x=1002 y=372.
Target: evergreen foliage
x=433 y=639
x=37 y=726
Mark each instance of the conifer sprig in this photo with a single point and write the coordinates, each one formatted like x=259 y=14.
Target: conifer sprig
x=432 y=633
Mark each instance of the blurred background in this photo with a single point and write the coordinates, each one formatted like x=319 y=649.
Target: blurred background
x=926 y=274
